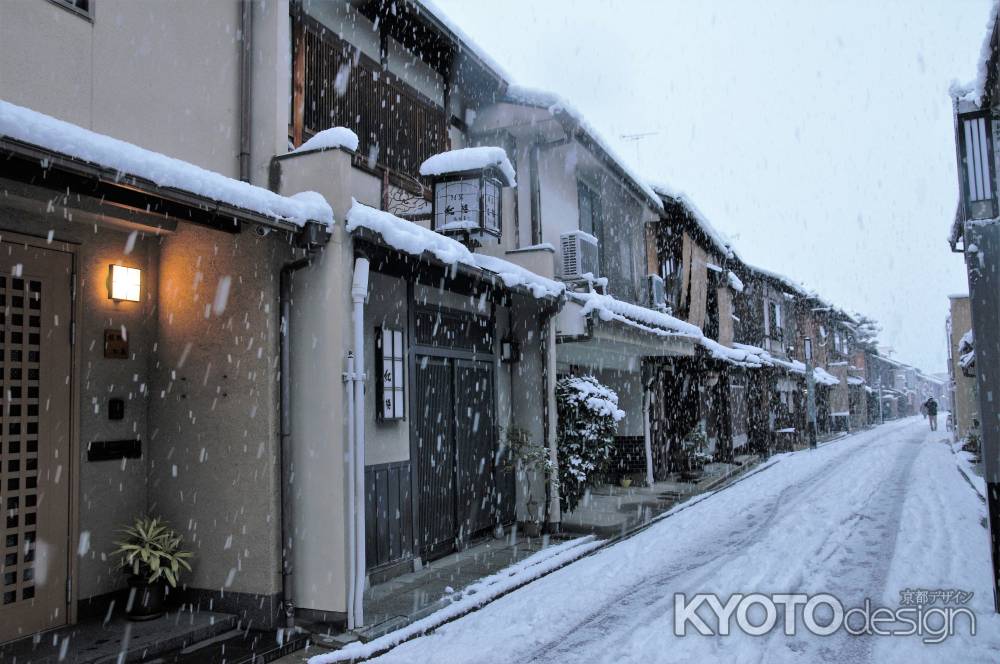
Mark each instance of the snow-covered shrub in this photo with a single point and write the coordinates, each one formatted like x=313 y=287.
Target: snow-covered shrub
x=588 y=418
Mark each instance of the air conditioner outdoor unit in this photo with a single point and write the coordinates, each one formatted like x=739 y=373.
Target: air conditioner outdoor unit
x=657 y=292
x=579 y=255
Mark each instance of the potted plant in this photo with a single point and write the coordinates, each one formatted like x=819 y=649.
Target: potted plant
x=152 y=556
x=528 y=456
x=694 y=454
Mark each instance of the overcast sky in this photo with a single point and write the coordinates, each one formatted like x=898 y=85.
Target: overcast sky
x=817 y=135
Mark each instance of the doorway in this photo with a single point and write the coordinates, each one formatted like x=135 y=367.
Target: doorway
x=465 y=489
x=35 y=434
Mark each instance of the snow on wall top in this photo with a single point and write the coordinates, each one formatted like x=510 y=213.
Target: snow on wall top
x=722 y=243
x=469 y=159
x=555 y=104
x=28 y=126
x=412 y=238
x=334 y=137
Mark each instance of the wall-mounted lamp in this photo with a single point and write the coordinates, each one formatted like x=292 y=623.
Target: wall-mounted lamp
x=124 y=283
x=510 y=351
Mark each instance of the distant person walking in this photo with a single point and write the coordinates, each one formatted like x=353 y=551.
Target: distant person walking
x=931 y=407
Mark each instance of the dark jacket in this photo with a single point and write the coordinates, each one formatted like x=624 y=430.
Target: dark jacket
x=931 y=406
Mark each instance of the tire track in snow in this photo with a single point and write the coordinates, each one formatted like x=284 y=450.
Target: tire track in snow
x=648 y=600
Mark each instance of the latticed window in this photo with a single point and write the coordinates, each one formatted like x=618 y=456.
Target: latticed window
x=335 y=85
x=976 y=143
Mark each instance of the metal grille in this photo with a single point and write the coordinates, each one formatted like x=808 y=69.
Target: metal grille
x=396 y=127
x=20 y=356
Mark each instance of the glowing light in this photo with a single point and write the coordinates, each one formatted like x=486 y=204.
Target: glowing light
x=124 y=283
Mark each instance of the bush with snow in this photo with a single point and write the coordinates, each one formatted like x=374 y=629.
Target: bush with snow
x=588 y=418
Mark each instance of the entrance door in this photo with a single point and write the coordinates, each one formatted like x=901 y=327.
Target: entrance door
x=35 y=368
x=435 y=454
x=456 y=453
x=476 y=449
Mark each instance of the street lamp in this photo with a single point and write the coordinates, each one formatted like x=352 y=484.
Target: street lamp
x=807 y=348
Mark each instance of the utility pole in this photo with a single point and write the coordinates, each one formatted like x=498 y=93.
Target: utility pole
x=982 y=260
x=881 y=415
x=810 y=393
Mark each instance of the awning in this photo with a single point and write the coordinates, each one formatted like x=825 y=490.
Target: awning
x=104 y=176
x=600 y=331
x=407 y=237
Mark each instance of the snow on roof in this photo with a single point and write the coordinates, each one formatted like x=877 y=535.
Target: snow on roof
x=459 y=35
x=412 y=238
x=824 y=378
x=28 y=126
x=334 y=137
x=722 y=243
x=556 y=105
x=854 y=380
x=607 y=307
x=975 y=90
x=797 y=288
x=469 y=159
x=740 y=355
x=734 y=282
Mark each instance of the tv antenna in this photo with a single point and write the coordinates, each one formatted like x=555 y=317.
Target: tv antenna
x=636 y=138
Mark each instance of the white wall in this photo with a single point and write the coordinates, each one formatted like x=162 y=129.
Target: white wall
x=162 y=75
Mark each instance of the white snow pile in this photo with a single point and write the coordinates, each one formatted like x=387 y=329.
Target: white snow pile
x=469 y=159
x=328 y=139
x=557 y=106
x=854 y=380
x=597 y=397
x=734 y=282
x=414 y=239
x=608 y=308
x=721 y=243
x=470 y=598
x=28 y=126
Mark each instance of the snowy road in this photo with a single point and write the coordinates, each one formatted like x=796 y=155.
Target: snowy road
x=864 y=517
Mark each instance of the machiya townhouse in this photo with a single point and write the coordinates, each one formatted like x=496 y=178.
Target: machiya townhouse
x=289 y=275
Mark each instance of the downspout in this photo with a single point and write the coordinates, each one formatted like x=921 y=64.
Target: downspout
x=284 y=447
x=246 y=83
x=359 y=292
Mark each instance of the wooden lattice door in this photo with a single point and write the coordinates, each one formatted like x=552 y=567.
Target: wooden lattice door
x=35 y=369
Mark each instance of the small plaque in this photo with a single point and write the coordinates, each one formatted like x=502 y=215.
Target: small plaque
x=115 y=345
x=111 y=450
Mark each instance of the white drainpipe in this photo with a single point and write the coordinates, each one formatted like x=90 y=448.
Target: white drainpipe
x=349 y=474
x=359 y=291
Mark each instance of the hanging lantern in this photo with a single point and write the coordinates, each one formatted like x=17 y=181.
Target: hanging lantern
x=468 y=205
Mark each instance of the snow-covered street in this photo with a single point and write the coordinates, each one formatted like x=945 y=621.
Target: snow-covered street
x=864 y=517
